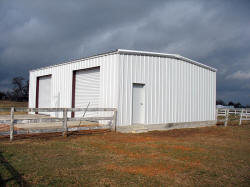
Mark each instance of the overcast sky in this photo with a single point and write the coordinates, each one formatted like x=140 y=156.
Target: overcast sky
x=215 y=32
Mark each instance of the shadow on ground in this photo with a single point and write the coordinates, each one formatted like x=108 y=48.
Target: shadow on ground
x=15 y=176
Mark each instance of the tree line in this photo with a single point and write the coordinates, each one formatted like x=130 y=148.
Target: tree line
x=18 y=92
x=231 y=103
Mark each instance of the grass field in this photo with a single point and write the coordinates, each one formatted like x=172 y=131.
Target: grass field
x=8 y=104
x=210 y=156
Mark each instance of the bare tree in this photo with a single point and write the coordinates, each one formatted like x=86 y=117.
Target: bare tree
x=220 y=102
x=20 y=89
x=2 y=95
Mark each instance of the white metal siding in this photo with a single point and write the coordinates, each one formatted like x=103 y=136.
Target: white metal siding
x=87 y=89
x=61 y=91
x=176 y=91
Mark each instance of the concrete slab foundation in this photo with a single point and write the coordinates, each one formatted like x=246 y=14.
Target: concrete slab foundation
x=140 y=128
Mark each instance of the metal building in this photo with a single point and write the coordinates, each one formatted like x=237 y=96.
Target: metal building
x=145 y=87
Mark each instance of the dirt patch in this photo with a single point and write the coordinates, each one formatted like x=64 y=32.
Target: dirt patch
x=150 y=170
x=178 y=148
x=129 y=138
x=55 y=135
x=182 y=133
x=128 y=154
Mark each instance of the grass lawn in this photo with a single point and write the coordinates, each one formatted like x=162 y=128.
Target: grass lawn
x=8 y=104
x=210 y=156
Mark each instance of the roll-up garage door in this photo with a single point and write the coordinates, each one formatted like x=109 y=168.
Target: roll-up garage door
x=44 y=93
x=87 y=90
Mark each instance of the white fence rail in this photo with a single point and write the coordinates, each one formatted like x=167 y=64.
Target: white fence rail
x=240 y=114
x=64 y=129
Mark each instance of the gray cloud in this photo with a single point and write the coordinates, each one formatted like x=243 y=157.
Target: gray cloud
x=239 y=75
x=39 y=33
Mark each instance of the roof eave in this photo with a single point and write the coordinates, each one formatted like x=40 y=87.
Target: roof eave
x=125 y=51
x=76 y=60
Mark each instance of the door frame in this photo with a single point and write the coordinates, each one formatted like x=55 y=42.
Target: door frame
x=73 y=92
x=37 y=89
x=132 y=111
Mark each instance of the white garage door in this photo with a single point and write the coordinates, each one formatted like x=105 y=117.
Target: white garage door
x=87 y=90
x=44 y=96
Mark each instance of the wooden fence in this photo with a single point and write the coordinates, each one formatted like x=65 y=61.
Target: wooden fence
x=12 y=121
x=231 y=114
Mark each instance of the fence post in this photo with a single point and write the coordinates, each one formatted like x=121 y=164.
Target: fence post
x=241 y=114
x=65 y=122
x=12 y=123
x=114 y=120
x=226 y=120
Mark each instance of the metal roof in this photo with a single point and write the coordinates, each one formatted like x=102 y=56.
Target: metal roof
x=176 y=56
x=133 y=52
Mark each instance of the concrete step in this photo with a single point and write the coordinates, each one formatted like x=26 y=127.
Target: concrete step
x=139 y=130
x=133 y=129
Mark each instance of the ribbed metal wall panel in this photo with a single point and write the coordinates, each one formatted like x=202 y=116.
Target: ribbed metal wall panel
x=61 y=81
x=176 y=91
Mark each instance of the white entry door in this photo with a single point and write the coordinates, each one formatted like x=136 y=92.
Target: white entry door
x=138 y=103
